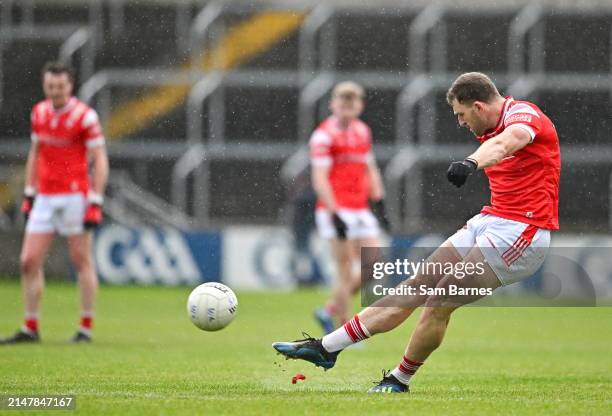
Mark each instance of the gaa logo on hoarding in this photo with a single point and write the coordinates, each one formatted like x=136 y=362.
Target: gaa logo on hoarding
x=146 y=256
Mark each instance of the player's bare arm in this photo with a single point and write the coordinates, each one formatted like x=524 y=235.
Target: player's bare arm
x=377 y=189
x=29 y=192
x=30 y=168
x=493 y=151
x=490 y=153
x=321 y=185
x=99 y=160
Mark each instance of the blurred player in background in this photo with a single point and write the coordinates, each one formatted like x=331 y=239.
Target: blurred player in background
x=59 y=196
x=520 y=154
x=345 y=178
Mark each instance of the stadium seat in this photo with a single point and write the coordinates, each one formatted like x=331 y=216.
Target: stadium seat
x=239 y=198
x=372 y=42
x=577 y=43
x=380 y=113
x=477 y=42
x=22 y=62
x=581 y=117
x=265 y=114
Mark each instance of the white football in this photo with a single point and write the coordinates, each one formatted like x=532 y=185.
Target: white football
x=212 y=306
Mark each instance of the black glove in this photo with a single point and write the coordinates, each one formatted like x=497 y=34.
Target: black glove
x=380 y=212
x=340 y=227
x=458 y=172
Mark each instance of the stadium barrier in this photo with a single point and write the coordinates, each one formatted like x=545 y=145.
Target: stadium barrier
x=262 y=257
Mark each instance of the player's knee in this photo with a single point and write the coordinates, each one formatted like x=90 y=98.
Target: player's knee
x=344 y=259
x=435 y=301
x=437 y=313
x=398 y=312
x=28 y=264
x=80 y=259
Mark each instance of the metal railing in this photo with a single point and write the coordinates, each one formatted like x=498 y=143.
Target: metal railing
x=310 y=96
x=204 y=27
x=525 y=21
x=131 y=204
x=404 y=177
x=415 y=112
x=75 y=38
x=198 y=95
x=419 y=28
x=101 y=82
x=81 y=40
x=45 y=33
x=308 y=39
x=193 y=161
x=315 y=90
x=213 y=86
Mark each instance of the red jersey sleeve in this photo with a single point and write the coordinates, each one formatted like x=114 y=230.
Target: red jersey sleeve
x=320 y=148
x=92 y=131
x=525 y=116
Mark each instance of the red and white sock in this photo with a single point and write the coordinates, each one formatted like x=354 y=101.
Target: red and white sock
x=350 y=333
x=86 y=322
x=30 y=323
x=406 y=369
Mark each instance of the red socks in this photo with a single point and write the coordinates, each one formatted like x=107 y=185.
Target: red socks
x=30 y=324
x=406 y=369
x=351 y=332
x=356 y=330
x=86 y=322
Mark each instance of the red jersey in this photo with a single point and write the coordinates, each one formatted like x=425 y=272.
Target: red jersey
x=347 y=152
x=63 y=136
x=525 y=185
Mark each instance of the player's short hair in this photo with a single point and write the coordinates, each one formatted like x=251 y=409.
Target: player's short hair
x=58 y=68
x=470 y=87
x=348 y=89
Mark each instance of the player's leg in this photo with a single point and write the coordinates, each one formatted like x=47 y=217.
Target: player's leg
x=80 y=249
x=431 y=328
x=385 y=314
x=37 y=240
x=33 y=253
x=389 y=312
x=80 y=244
x=364 y=259
x=344 y=282
x=367 y=236
x=34 y=250
x=335 y=306
x=382 y=316
x=505 y=252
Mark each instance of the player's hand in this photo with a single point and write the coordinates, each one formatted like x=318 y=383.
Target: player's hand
x=27 y=204
x=93 y=213
x=340 y=226
x=380 y=212
x=93 y=217
x=458 y=172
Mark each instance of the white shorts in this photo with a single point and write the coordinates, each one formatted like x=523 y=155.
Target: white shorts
x=63 y=213
x=361 y=223
x=513 y=249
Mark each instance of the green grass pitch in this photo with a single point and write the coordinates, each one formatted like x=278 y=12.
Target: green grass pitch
x=149 y=359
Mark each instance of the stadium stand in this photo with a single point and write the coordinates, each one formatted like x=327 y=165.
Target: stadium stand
x=247 y=83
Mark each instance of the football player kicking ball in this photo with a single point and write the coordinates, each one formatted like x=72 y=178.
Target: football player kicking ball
x=59 y=197
x=345 y=177
x=509 y=239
